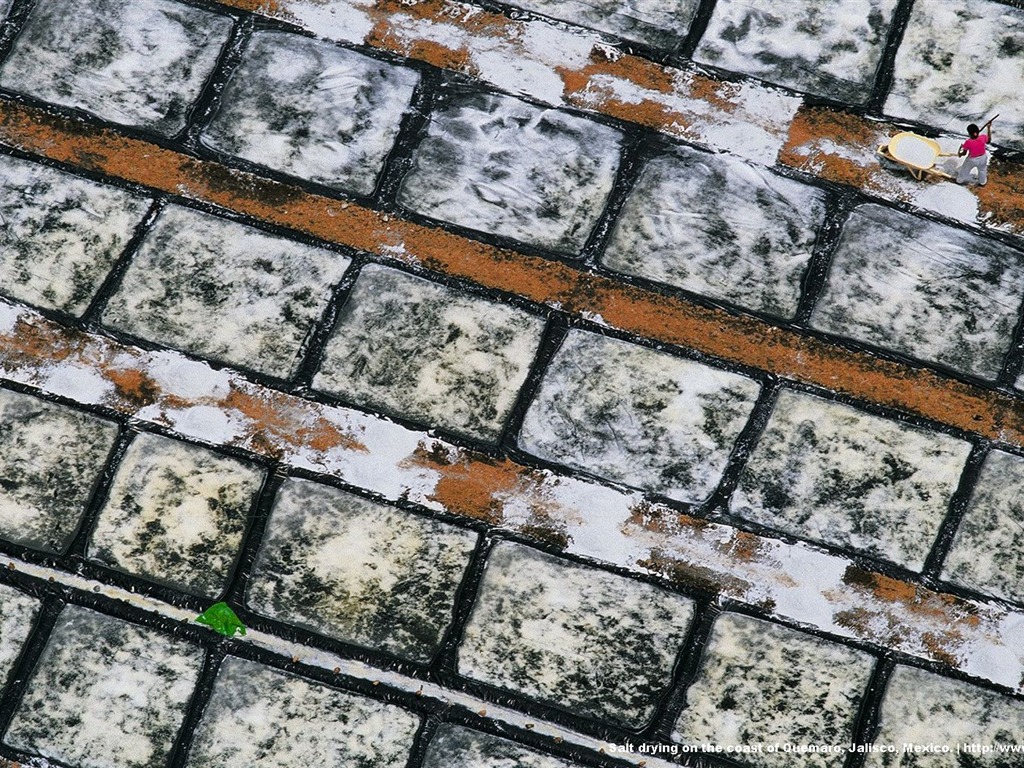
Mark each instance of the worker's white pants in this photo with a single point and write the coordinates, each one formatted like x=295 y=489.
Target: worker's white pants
x=980 y=162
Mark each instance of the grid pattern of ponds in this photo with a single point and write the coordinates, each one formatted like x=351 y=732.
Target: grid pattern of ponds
x=505 y=618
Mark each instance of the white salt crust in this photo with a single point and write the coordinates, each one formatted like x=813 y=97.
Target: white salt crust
x=979 y=557
x=637 y=416
x=851 y=479
x=924 y=708
x=423 y=351
x=105 y=693
x=720 y=227
x=260 y=716
x=357 y=570
x=175 y=514
x=502 y=166
x=51 y=458
x=589 y=641
x=17 y=613
x=760 y=683
x=659 y=23
x=960 y=62
x=923 y=289
x=60 y=234
x=828 y=47
x=137 y=62
x=312 y=110
x=223 y=290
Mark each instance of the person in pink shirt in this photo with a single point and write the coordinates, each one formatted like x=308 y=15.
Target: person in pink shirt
x=976 y=151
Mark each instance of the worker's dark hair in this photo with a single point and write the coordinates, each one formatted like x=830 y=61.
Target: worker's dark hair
x=973 y=129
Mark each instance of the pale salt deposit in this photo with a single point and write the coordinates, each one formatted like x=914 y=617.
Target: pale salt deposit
x=541 y=626
x=922 y=289
x=776 y=578
x=135 y=62
x=949 y=199
x=16 y=614
x=960 y=62
x=914 y=150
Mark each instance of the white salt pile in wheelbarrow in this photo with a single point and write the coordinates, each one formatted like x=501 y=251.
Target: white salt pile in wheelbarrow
x=914 y=150
x=915 y=153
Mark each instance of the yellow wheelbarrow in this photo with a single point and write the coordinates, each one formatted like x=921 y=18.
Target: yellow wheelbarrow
x=916 y=154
